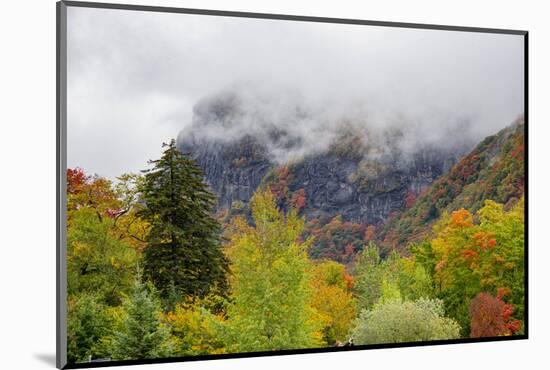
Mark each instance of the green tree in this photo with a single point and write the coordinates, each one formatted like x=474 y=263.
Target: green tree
x=413 y=280
x=98 y=262
x=424 y=256
x=394 y=321
x=368 y=274
x=504 y=262
x=141 y=334
x=373 y=274
x=183 y=255
x=87 y=324
x=271 y=287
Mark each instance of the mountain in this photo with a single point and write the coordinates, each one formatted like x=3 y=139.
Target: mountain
x=494 y=169
x=362 y=174
x=348 y=189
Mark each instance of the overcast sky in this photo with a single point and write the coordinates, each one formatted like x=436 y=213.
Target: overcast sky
x=134 y=77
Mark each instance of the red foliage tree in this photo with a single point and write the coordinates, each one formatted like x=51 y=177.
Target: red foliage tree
x=76 y=178
x=348 y=250
x=91 y=191
x=298 y=199
x=348 y=255
x=491 y=316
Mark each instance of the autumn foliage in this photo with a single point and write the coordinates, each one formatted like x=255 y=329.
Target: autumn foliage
x=333 y=300
x=336 y=239
x=449 y=265
x=279 y=185
x=298 y=200
x=491 y=316
x=477 y=254
x=494 y=169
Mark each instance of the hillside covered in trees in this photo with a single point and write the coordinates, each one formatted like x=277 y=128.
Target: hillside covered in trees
x=241 y=185
x=494 y=170
x=216 y=248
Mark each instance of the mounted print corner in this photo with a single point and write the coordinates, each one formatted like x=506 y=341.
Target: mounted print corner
x=237 y=184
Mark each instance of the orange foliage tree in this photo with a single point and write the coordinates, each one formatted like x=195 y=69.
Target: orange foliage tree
x=491 y=316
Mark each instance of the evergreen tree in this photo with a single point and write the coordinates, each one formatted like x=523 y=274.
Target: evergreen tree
x=183 y=256
x=141 y=333
x=87 y=324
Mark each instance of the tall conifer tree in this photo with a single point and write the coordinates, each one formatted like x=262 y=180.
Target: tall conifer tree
x=183 y=256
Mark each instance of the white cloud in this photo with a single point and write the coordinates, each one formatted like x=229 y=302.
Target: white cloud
x=134 y=77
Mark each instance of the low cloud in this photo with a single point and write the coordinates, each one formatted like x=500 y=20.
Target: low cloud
x=291 y=126
x=137 y=79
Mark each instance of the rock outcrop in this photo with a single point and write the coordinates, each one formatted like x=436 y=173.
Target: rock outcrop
x=361 y=189
x=362 y=173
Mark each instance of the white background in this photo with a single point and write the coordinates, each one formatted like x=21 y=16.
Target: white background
x=27 y=183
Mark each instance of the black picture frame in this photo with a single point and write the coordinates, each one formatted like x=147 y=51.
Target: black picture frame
x=61 y=168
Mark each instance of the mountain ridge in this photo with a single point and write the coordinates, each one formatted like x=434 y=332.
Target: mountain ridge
x=493 y=170
x=362 y=180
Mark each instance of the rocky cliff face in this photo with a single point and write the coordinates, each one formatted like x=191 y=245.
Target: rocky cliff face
x=361 y=189
x=344 y=168
x=336 y=185
x=233 y=170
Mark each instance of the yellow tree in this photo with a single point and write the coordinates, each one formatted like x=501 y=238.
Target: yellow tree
x=195 y=329
x=333 y=301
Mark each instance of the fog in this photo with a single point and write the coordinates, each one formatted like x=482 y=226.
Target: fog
x=137 y=79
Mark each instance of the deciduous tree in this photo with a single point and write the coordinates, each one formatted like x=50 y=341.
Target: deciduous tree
x=394 y=321
x=482 y=256
x=333 y=300
x=271 y=286
x=196 y=330
x=491 y=316
x=97 y=262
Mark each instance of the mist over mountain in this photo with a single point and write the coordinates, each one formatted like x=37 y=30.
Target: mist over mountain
x=290 y=126
x=343 y=120
x=348 y=167
x=348 y=159
x=144 y=78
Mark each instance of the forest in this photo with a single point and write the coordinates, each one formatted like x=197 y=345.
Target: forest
x=156 y=269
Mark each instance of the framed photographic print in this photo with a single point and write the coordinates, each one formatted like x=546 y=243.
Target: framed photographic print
x=239 y=184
